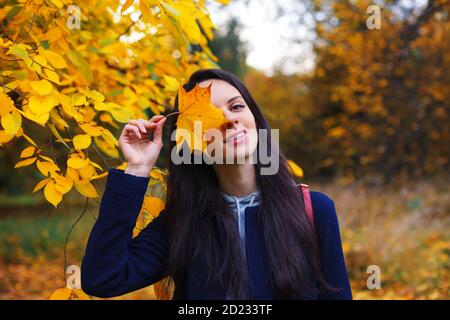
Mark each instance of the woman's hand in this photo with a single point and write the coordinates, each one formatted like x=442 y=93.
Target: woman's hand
x=140 y=153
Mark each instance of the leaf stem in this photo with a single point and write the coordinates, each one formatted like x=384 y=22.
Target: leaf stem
x=173 y=113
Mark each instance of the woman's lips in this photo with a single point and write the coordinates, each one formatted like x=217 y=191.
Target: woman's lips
x=238 y=138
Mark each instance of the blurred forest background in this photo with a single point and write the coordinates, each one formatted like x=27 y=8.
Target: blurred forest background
x=368 y=123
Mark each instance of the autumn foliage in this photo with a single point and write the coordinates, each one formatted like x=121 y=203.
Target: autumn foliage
x=71 y=76
x=377 y=101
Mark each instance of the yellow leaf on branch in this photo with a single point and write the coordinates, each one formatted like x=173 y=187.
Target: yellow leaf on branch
x=106 y=147
x=20 y=133
x=41 y=184
x=5 y=137
x=82 y=141
x=42 y=87
x=86 y=189
x=27 y=152
x=25 y=162
x=40 y=118
x=6 y=104
x=42 y=104
x=55 y=59
x=19 y=50
x=96 y=96
x=52 y=194
x=119 y=113
x=11 y=122
x=62 y=183
x=77 y=163
x=52 y=76
x=81 y=85
x=46 y=167
x=92 y=129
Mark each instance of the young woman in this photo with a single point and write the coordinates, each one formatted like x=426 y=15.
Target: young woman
x=227 y=231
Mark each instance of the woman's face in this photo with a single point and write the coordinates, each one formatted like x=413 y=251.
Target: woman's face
x=238 y=136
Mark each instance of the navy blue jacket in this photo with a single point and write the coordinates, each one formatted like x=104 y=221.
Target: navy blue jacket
x=115 y=263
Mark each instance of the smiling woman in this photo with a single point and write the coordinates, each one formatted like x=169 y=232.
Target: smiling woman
x=223 y=131
x=227 y=231
x=239 y=130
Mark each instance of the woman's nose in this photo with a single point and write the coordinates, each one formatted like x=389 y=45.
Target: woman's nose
x=231 y=119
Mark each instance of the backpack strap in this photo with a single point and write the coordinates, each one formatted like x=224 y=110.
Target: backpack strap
x=307 y=201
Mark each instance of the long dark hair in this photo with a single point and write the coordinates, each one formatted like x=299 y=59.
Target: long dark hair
x=195 y=207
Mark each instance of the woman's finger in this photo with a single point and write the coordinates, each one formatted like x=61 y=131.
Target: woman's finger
x=156 y=118
x=157 y=137
x=139 y=123
x=131 y=128
x=153 y=120
x=142 y=125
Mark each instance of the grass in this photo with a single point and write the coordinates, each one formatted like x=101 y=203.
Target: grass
x=405 y=231
x=25 y=236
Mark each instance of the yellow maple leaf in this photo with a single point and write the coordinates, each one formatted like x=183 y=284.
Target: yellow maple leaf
x=193 y=106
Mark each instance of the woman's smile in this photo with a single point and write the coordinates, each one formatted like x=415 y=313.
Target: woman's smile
x=238 y=138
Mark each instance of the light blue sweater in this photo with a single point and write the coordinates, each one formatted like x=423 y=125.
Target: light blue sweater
x=238 y=205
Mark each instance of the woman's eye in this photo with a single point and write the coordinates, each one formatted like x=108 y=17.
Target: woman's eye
x=237 y=106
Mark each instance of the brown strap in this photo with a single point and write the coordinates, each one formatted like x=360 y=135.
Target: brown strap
x=307 y=201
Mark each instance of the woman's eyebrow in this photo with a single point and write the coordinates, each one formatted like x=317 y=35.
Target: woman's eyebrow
x=234 y=98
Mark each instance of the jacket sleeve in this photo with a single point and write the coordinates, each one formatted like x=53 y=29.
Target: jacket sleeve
x=115 y=263
x=331 y=254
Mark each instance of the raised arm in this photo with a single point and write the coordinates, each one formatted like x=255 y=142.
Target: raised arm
x=114 y=262
x=331 y=254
